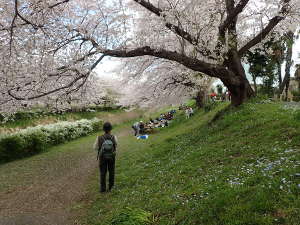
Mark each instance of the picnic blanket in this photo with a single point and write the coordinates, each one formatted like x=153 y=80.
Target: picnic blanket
x=143 y=137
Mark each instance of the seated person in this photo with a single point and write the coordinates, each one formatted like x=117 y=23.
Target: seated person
x=142 y=127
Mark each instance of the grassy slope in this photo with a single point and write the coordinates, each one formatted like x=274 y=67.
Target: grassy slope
x=239 y=170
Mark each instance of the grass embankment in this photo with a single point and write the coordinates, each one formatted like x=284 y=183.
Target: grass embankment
x=242 y=169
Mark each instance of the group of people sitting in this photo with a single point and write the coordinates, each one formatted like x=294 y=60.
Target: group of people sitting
x=162 y=121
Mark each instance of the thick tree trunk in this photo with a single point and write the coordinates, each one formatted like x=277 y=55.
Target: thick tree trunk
x=240 y=89
x=200 y=99
x=240 y=92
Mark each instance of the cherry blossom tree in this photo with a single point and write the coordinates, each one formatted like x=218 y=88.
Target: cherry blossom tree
x=53 y=46
x=44 y=57
x=154 y=82
x=217 y=33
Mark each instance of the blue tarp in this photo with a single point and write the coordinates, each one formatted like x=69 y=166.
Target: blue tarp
x=143 y=137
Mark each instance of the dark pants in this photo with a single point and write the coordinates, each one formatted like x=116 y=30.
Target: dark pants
x=107 y=165
x=135 y=130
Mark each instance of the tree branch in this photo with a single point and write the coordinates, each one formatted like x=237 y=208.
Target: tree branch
x=82 y=77
x=176 y=29
x=57 y=4
x=212 y=70
x=232 y=15
x=272 y=23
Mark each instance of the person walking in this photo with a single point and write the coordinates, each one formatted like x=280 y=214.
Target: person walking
x=107 y=147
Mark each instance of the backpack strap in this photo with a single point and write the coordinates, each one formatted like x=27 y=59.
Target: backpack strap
x=100 y=138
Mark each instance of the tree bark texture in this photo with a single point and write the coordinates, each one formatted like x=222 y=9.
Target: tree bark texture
x=240 y=90
x=200 y=99
x=286 y=81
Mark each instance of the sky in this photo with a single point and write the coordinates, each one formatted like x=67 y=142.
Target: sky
x=106 y=68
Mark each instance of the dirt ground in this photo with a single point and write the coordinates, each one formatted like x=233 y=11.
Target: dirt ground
x=49 y=198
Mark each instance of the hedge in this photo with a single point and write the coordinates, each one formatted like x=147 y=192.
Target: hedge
x=33 y=140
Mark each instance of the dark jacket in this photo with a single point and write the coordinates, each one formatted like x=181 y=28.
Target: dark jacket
x=104 y=137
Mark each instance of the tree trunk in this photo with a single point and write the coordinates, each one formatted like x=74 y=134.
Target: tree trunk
x=200 y=99
x=287 y=89
x=240 y=93
x=286 y=81
x=254 y=83
x=279 y=72
x=240 y=89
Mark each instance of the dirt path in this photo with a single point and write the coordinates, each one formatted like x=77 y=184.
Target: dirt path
x=45 y=193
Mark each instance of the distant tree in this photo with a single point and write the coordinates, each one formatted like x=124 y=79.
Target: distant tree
x=151 y=81
x=282 y=54
x=263 y=65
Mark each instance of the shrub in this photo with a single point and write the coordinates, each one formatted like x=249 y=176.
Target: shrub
x=132 y=217
x=2 y=117
x=23 y=115
x=34 y=143
x=210 y=106
x=97 y=126
x=33 y=140
x=297 y=115
x=11 y=148
x=296 y=98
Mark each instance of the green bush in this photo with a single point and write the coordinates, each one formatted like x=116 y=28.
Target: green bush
x=34 y=143
x=296 y=98
x=56 y=138
x=97 y=126
x=131 y=216
x=297 y=115
x=11 y=148
x=23 y=115
x=210 y=106
x=33 y=140
x=296 y=93
x=1 y=117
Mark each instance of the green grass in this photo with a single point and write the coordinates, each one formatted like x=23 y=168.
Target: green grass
x=238 y=170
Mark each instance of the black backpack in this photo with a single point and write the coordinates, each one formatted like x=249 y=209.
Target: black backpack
x=107 y=151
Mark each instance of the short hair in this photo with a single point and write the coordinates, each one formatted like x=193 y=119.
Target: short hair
x=107 y=127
